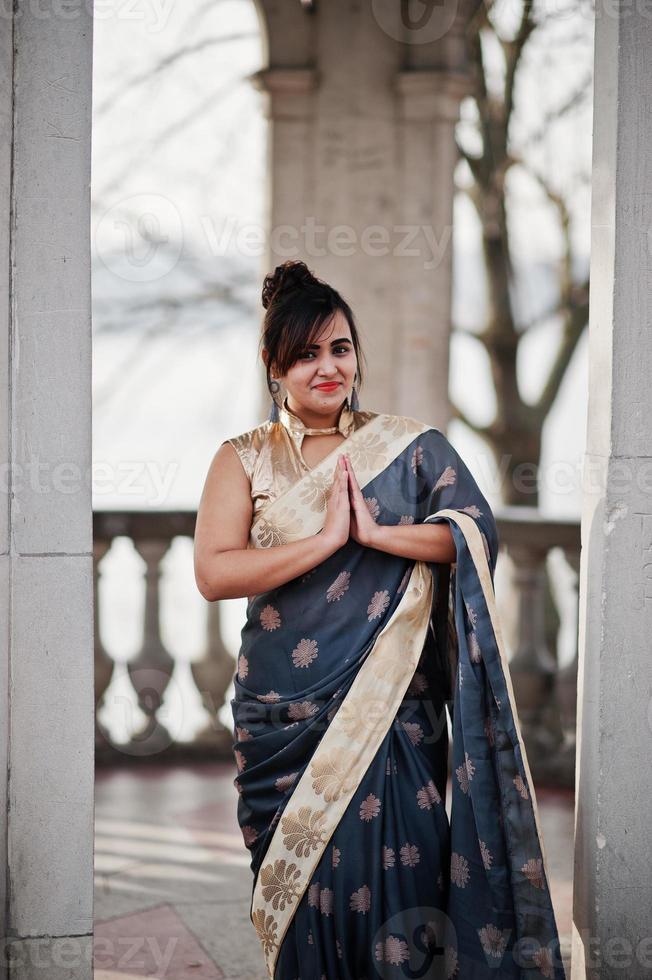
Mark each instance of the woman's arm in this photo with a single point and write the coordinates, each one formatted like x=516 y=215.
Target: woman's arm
x=427 y=542
x=224 y=567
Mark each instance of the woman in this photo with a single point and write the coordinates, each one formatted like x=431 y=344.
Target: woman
x=367 y=553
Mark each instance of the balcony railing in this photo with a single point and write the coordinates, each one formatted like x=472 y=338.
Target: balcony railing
x=545 y=694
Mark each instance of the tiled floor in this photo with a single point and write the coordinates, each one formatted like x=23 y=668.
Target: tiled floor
x=173 y=882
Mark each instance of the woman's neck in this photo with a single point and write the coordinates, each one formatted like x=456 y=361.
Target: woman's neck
x=313 y=420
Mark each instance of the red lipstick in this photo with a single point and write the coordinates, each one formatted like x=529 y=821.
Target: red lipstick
x=328 y=385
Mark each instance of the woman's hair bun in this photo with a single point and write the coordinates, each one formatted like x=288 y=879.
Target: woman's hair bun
x=287 y=277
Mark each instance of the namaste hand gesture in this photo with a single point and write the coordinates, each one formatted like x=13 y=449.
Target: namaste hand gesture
x=347 y=515
x=363 y=527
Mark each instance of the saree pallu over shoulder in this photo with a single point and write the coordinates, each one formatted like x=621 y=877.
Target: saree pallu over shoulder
x=485 y=694
x=357 y=633
x=300 y=511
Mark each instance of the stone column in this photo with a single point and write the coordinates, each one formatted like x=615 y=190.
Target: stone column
x=361 y=158
x=429 y=103
x=290 y=110
x=288 y=105
x=46 y=564
x=612 y=934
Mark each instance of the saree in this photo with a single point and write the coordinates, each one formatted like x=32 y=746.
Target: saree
x=344 y=681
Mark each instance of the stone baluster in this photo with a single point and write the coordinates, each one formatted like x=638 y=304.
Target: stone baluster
x=104 y=665
x=212 y=675
x=151 y=669
x=567 y=678
x=533 y=667
x=528 y=538
x=546 y=696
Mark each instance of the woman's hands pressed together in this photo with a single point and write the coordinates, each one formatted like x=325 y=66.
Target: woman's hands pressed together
x=363 y=526
x=347 y=515
x=337 y=523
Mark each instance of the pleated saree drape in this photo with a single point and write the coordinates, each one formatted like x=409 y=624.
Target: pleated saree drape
x=343 y=680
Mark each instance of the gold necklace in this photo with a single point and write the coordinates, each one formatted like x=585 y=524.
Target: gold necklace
x=320 y=432
x=305 y=430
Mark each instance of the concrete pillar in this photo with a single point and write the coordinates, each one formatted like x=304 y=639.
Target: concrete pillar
x=362 y=108
x=46 y=643
x=612 y=906
x=429 y=108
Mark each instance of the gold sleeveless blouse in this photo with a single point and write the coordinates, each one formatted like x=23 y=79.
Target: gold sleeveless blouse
x=271 y=453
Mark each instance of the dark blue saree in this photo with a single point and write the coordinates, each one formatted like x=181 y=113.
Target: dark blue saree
x=341 y=742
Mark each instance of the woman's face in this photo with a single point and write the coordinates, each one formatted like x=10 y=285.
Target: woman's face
x=330 y=360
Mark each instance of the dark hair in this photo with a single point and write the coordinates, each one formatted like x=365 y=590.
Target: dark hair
x=298 y=306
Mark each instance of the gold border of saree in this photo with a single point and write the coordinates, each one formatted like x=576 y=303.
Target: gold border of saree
x=473 y=538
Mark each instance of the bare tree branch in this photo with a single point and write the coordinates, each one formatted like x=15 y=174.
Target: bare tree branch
x=513 y=52
x=573 y=299
x=575 y=322
x=164 y=64
x=460 y=415
x=472 y=334
x=579 y=95
x=173 y=130
x=517 y=426
x=219 y=294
